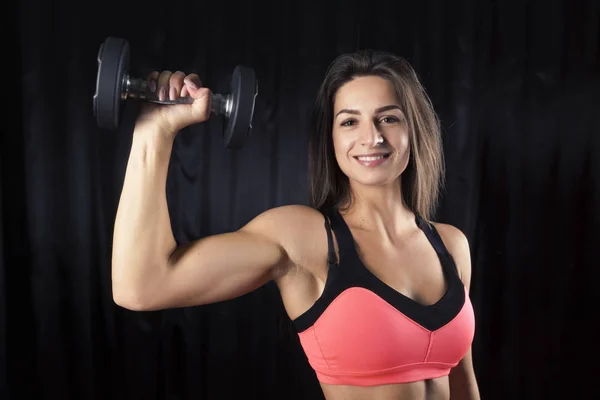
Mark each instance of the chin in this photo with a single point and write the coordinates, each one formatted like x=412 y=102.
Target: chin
x=374 y=182
x=375 y=178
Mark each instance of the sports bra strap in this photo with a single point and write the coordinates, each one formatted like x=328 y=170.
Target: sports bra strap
x=436 y=240
x=433 y=236
x=331 y=257
x=343 y=235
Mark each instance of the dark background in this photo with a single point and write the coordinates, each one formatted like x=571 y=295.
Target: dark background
x=516 y=84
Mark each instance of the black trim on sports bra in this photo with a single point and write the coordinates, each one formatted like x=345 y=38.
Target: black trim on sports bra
x=351 y=272
x=331 y=257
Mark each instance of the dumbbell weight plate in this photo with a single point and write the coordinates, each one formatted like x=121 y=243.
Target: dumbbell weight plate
x=243 y=91
x=113 y=62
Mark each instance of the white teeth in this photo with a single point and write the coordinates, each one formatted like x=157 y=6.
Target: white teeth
x=370 y=158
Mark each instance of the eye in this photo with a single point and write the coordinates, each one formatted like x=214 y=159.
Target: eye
x=389 y=120
x=348 y=122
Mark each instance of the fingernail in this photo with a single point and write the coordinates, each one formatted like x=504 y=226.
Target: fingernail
x=162 y=94
x=172 y=94
x=191 y=84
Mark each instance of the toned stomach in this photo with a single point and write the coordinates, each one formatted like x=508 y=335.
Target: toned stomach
x=433 y=389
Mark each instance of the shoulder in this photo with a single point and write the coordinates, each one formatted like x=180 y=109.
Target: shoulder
x=293 y=227
x=458 y=246
x=287 y=219
x=299 y=232
x=452 y=236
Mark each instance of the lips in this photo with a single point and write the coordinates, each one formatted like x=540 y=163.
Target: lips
x=374 y=157
x=372 y=160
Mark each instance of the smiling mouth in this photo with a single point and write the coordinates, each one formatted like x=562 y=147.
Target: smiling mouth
x=372 y=158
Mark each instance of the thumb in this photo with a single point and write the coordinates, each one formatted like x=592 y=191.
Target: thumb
x=182 y=115
x=202 y=101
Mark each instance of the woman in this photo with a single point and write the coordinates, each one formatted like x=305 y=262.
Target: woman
x=377 y=292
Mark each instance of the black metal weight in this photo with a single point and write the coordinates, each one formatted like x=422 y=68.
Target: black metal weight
x=114 y=85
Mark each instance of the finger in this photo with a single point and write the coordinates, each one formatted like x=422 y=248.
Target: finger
x=163 y=84
x=151 y=79
x=184 y=91
x=194 y=86
x=175 y=85
x=193 y=81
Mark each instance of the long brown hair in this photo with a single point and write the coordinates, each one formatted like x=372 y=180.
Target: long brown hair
x=423 y=178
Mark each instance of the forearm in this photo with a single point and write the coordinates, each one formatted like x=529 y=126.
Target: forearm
x=142 y=238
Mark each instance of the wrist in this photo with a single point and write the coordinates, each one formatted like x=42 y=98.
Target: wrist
x=151 y=140
x=153 y=131
x=155 y=126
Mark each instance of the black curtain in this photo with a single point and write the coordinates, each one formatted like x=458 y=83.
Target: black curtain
x=516 y=84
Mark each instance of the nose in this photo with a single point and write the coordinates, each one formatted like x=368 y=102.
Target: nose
x=371 y=136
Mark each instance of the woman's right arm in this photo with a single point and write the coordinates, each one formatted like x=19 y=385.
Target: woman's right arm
x=149 y=271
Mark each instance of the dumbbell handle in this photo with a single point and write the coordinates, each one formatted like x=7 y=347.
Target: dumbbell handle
x=135 y=88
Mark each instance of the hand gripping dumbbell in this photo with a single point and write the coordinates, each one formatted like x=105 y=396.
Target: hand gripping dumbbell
x=114 y=85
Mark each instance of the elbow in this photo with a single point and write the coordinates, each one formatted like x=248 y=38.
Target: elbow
x=130 y=299
x=127 y=304
x=135 y=291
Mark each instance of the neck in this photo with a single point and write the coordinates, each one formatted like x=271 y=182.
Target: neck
x=380 y=209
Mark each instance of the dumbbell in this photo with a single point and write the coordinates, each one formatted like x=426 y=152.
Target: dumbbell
x=114 y=85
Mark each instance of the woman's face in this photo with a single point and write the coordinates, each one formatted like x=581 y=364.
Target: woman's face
x=370 y=133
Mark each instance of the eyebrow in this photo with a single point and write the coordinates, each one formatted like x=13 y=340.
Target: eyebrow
x=378 y=110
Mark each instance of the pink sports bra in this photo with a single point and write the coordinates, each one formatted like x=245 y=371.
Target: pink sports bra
x=362 y=332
